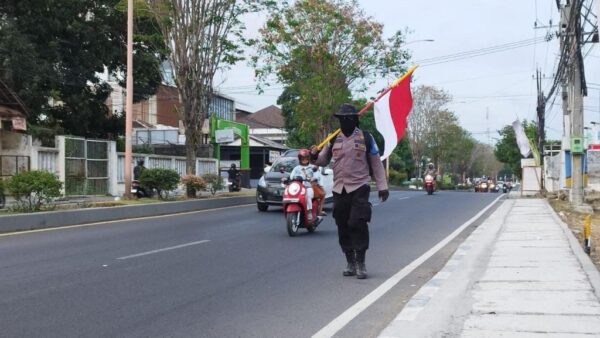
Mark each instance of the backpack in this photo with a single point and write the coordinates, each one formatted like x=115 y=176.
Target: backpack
x=368 y=144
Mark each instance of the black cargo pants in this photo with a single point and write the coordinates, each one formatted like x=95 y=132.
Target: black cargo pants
x=352 y=212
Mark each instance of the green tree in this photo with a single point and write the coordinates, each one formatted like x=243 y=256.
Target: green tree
x=422 y=124
x=203 y=36
x=321 y=50
x=507 y=150
x=51 y=55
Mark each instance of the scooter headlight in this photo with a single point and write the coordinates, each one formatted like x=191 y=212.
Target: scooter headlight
x=294 y=188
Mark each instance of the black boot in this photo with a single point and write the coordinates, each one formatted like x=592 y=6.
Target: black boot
x=350 y=269
x=361 y=268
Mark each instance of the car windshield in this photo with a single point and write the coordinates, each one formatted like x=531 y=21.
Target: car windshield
x=287 y=162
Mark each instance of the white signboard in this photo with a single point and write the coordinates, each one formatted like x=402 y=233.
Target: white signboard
x=224 y=136
x=19 y=123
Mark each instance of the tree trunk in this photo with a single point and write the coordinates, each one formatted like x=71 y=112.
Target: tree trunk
x=191 y=147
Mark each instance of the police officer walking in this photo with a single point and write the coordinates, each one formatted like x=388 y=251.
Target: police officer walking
x=355 y=158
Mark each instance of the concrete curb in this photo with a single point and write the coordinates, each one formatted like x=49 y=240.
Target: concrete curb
x=586 y=262
x=441 y=305
x=52 y=219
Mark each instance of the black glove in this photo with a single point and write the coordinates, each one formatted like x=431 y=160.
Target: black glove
x=383 y=195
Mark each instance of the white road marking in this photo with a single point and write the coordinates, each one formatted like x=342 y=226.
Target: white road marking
x=163 y=249
x=121 y=220
x=342 y=320
x=379 y=201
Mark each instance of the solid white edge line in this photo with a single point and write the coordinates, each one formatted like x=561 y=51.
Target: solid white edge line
x=342 y=320
x=16 y=233
x=163 y=249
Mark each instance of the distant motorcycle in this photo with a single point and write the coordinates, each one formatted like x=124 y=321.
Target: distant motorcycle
x=294 y=207
x=138 y=191
x=429 y=184
x=234 y=182
x=483 y=187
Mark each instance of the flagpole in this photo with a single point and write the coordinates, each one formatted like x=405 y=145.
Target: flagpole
x=370 y=103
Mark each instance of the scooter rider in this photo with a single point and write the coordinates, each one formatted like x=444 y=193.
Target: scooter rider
x=139 y=169
x=355 y=154
x=233 y=174
x=430 y=170
x=304 y=170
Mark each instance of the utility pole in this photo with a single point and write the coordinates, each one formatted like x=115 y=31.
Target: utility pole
x=576 y=90
x=129 y=97
x=541 y=116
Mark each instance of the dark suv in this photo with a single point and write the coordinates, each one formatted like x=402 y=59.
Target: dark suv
x=270 y=189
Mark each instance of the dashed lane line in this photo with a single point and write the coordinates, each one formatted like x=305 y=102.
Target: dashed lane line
x=163 y=249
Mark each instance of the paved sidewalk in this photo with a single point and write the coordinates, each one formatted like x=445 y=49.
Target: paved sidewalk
x=521 y=273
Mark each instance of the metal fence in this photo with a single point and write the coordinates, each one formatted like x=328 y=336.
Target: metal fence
x=177 y=163
x=86 y=166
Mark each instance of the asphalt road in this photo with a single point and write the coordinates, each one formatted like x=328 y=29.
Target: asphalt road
x=232 y=272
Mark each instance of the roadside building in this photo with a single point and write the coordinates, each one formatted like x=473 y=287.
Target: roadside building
x=14 y=143
x=267 y=140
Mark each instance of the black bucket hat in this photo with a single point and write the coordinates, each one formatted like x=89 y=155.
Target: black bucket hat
x=346 y=109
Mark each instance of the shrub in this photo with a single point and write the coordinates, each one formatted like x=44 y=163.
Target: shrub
x=31 y=189
x=193 y=182
x=214 y=182
x=160 y=180
x=397 y=177
x=446 y=185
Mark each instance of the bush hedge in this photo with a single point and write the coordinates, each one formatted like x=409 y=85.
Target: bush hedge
x=33 y=189
x=193 y=182
x=163 y=181
x=397 y=177
x=214 y=182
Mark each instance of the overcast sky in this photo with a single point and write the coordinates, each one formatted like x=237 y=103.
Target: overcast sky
x=501 y=83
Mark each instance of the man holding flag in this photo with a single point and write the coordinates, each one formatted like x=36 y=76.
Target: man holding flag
x=355 y=154
x=356 y=159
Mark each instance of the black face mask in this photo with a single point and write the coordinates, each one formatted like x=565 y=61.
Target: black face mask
x=348 y=124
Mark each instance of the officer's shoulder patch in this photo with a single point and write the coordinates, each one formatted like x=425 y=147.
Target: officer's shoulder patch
x=373 y=145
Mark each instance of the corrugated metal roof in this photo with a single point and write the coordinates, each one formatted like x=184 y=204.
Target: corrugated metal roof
x=10 y=100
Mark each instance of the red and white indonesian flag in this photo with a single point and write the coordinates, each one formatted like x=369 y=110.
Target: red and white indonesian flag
x=391 y=111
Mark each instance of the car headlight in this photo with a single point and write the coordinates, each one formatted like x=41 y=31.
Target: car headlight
x=261 y=182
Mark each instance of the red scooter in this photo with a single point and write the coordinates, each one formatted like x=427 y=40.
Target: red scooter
x=429 y=184
x=294 y=207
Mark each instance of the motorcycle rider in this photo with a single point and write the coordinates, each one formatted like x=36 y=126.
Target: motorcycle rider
x=319 y=182
x=355 y=155
x=139 y=169
x=233 y=174
x=305 y=170
x=137 y=173
x=430 y=170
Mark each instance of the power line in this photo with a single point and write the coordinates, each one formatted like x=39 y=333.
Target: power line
x=480 y=52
